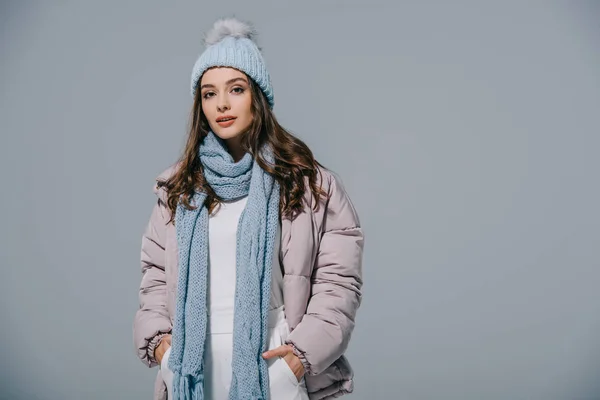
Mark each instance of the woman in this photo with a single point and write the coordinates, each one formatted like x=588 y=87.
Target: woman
x=251 y=260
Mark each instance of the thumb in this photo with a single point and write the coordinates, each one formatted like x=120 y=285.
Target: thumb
x=278 y=351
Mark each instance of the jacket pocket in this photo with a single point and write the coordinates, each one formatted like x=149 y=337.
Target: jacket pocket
x=166 y=373
x=280 y=334
x=287 y=370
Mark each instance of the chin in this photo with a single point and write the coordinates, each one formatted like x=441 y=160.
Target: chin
x=226 y=134
x=229 y=132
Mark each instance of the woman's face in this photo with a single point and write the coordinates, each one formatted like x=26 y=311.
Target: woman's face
x=226 y=101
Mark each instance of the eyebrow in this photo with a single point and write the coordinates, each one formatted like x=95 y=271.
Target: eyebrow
x=229 y=82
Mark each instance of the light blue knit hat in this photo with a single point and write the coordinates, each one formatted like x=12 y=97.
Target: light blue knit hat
x=230 y=44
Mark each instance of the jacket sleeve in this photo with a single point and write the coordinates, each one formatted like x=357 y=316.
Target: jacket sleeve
x=323 y=334
x=151 y=321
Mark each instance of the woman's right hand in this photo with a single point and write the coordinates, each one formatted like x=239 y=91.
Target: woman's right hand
x=161 y=349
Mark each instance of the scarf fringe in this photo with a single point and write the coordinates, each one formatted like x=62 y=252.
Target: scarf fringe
x=188 y=387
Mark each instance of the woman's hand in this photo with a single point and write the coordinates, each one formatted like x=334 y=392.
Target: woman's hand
x=286 y=352
x=161 y=349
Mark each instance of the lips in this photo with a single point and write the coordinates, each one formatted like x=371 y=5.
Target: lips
x=225 y=121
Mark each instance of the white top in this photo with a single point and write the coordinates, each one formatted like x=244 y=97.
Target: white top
x=222 y=231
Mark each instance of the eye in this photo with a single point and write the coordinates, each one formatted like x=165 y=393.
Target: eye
x=238 y=90
x=207 y=95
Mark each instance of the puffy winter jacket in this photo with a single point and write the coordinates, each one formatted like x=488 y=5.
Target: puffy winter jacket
x=321 y=254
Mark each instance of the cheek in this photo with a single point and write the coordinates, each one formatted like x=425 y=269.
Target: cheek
x=210 y=117
x=242 y=107
x=247 y=107
x=206 y=111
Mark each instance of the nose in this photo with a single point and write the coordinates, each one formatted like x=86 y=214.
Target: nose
x=223 y=104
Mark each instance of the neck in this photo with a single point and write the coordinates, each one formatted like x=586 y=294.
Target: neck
x=234 y=146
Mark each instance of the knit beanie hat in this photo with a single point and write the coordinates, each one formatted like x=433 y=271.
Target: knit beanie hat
x=230 y=44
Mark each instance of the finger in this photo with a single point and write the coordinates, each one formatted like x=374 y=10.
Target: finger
x=168 y=339
x=278 y=351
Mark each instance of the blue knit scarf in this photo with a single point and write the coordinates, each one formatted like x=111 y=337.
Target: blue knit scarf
x=255 y=240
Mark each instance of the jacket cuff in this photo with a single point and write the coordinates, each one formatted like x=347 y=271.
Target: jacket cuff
x=152 y=344
x=302 y=356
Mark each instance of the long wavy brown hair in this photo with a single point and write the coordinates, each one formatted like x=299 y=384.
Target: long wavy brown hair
x=294 y=167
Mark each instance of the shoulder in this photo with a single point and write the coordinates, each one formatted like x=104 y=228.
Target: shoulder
x=162 y=177
x=331 y=183
x=337 y=203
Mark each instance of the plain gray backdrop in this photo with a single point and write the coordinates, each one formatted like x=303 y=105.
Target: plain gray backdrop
x=466 y=133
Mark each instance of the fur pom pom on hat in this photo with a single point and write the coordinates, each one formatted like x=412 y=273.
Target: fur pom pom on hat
x=230 y=43
x=229 y=27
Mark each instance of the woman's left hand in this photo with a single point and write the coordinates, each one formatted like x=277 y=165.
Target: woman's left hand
x=286 y=352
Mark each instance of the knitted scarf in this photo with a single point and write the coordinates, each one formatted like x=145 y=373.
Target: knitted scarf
x=254 y=249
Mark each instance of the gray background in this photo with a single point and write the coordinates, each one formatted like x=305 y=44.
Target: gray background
x=467 y=135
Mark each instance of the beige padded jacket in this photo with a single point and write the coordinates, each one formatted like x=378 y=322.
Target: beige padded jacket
x=321 y=255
